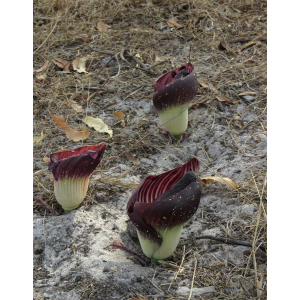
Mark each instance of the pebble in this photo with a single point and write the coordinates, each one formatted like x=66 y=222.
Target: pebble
x=238 y=84
x=249 y=98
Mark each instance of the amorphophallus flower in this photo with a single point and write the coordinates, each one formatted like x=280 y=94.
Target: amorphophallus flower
x=160 y=206
x=173 y=92
x=71 y=170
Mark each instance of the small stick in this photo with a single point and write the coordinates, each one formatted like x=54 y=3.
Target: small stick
x=247 y=38
x=103 y=51
x=47 y=36
x=143 y=66
x=139 y=257
x=105 y=65
x=183 y=256
x=85 y=87
x=193 y=278
x=156 y=64
x=123 y=58
x=39 y=200
x=98 y=91
x=229 y=241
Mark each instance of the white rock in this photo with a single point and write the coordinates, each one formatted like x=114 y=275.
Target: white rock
x=248 y=97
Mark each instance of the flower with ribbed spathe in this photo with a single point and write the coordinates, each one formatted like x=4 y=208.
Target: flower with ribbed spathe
x=71 y=170
x=173 y=92
x=160 y=206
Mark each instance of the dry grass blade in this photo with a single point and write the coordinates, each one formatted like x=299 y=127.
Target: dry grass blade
x=179 y=269
x=190 y=296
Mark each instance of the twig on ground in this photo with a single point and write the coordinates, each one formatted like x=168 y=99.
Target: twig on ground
x=247 y=39
x=193 y=278
x=183 y=256
x=103 y=51
x=100 y=69
x=123 y=58
x=39 y=200
x=143 y=66
x=224 y=43
x=139 y=257
x=47 y=36
x=87 y=102
x=229 y=241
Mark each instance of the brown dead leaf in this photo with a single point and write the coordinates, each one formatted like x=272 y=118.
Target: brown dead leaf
x=42 y=68
x=62 y=63
x=85 y=96
x=120 y=117
x=110 y=103
x=162 y=58
x=247 y=94
x=223 y=99
x=76 y=106
x=130 y=157
x=208 y=86
x=224 y=46
x=203 y=84
x=73 y=104
x=35 y=153
x=74 y=135
x=79 y=64
x=262 y=87
x=198 y=104
x=102 y=27
x=225 y=180
x=46 y=159
x=258 y=254
x=173 y=23
x=42 y=77
x=84 y=37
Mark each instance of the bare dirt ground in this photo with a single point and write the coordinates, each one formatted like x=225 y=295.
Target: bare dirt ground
x=71 y=258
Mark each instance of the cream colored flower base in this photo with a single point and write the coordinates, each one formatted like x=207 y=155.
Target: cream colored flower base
x=178 y=125
x=71 y=192
x=170 y=241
